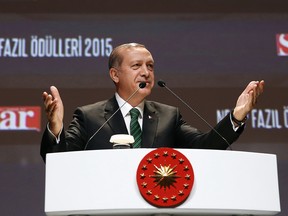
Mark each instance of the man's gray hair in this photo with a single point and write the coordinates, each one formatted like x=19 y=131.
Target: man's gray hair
x=115 y=58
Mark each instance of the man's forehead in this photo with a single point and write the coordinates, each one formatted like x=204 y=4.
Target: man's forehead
x=136 y=52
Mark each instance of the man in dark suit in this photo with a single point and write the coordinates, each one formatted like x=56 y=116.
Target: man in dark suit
x=160 y=125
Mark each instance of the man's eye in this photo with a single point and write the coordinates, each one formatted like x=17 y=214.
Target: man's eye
x=135 y=66
x=150 y=66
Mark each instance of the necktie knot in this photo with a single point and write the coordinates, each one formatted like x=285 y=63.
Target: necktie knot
x=134 y=112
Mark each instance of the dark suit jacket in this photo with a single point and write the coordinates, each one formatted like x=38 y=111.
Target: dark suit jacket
x=163 y=126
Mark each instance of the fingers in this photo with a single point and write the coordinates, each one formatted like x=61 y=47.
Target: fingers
x=49 y=105
x=256 y=88
x=248 y=99
x=260 y=87
x=54 y=110
x=253 y=98
x=51 y=100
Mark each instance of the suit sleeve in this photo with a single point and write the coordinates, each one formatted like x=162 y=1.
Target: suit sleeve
x=71 y=140
x=49 y=144
x=189 y=137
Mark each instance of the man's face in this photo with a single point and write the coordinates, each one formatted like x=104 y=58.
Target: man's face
x=137 y=66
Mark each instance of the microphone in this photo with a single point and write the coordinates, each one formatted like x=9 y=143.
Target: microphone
x=161 y=83
x=141 y=86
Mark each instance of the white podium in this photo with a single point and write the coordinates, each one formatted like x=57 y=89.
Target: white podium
x=103 y=182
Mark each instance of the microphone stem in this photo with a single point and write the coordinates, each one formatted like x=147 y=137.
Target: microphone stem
x=196 y=113
x=111 y=117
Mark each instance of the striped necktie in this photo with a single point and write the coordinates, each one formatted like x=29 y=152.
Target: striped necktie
x=135 y=128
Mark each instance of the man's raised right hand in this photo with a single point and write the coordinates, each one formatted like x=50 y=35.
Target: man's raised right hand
x=54 y=110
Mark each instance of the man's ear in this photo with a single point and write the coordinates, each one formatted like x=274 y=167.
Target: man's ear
x=114 y=75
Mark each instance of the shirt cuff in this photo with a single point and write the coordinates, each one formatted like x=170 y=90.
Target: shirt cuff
x=56 y=138
x=235 y=128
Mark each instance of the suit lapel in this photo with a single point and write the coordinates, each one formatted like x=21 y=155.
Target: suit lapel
x=116 y=123
x=150 y=122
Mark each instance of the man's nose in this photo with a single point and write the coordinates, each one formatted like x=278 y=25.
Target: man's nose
x=145 y=71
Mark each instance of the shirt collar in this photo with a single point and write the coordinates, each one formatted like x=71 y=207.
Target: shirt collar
x=127 y=107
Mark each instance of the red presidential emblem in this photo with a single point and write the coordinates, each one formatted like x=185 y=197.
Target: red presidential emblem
x=165 y=177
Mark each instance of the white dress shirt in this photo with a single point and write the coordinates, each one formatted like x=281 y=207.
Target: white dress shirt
x=125 y=110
